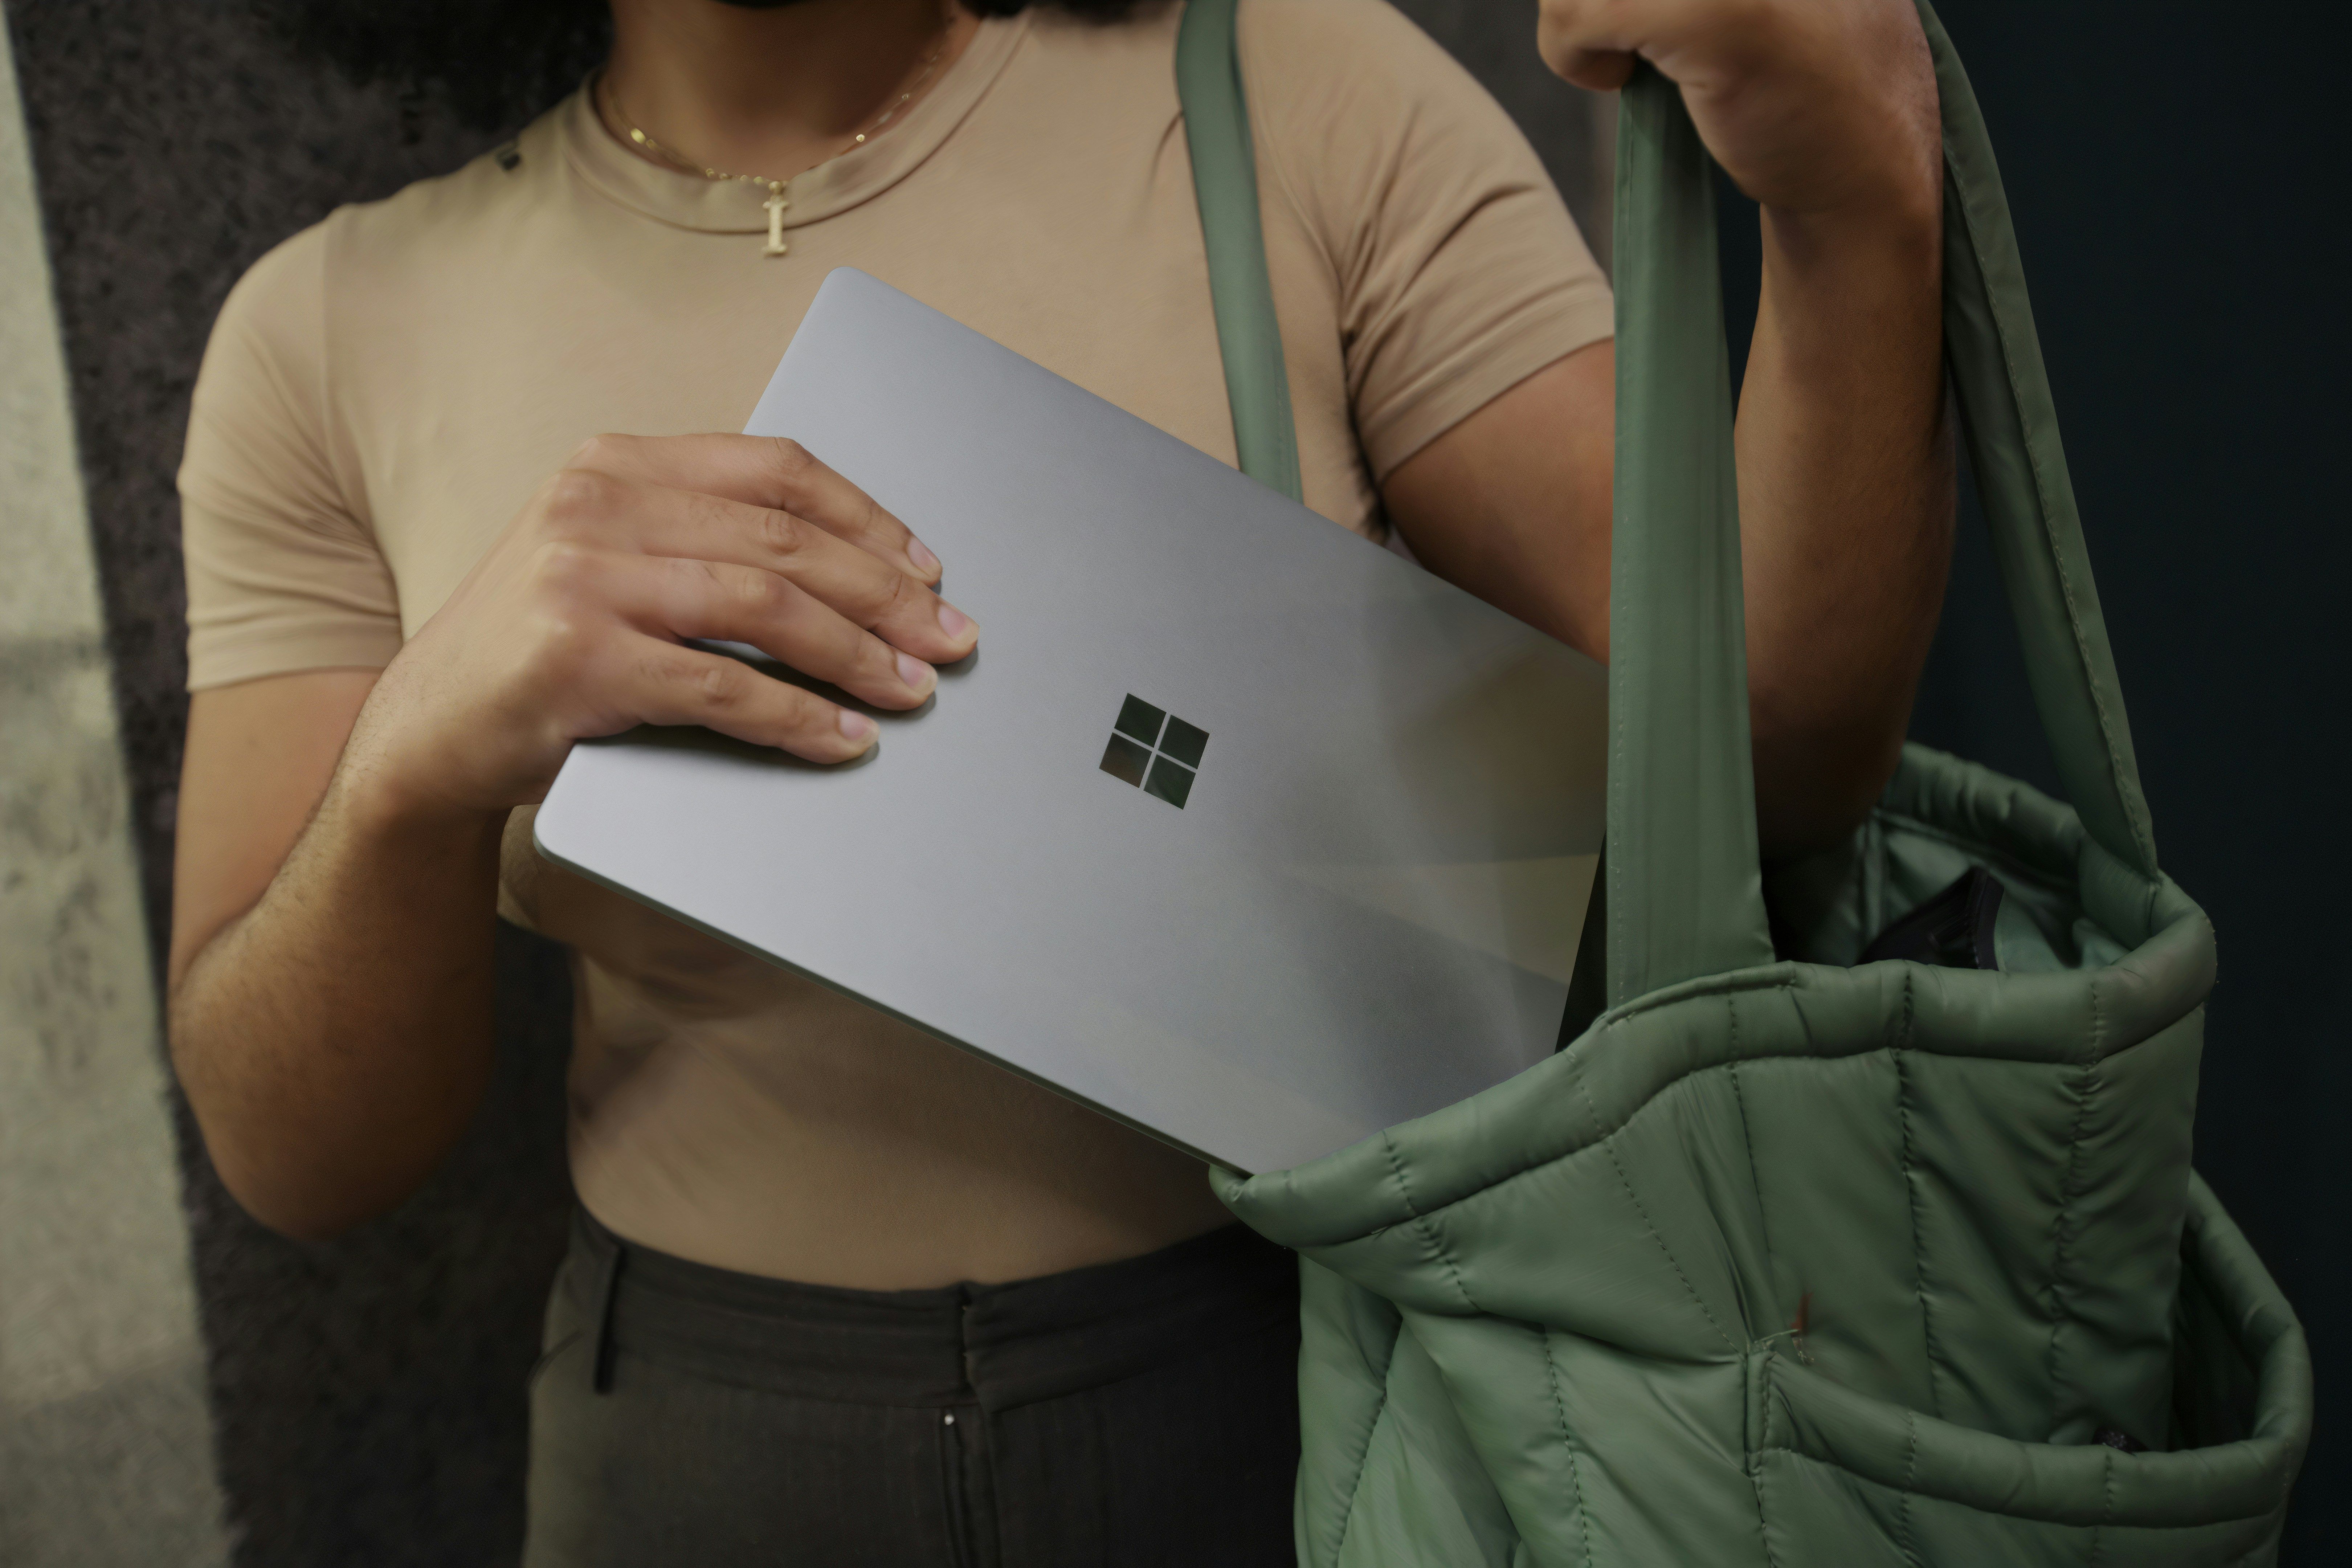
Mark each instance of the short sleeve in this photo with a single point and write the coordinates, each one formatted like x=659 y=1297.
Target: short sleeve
x=283 y=576
x=1459 y=272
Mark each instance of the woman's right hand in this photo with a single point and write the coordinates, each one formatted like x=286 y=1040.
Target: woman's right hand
x=573 y=624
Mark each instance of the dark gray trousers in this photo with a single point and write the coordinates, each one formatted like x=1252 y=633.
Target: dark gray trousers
x=1139 y=1414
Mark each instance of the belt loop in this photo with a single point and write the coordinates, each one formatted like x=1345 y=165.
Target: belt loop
x=603 y=1285
x=966 y=1361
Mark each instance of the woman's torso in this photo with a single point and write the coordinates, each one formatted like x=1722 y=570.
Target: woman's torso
x=474 y=330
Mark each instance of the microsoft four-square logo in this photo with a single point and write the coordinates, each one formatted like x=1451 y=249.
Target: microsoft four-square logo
x=1154 y=750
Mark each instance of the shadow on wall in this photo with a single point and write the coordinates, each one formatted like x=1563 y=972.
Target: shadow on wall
x=366 y=1395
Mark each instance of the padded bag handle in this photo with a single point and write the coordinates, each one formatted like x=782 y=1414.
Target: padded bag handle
x=1685 y=893
x=1224 y=182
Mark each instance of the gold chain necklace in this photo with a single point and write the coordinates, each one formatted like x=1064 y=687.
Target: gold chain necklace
x=777 y=201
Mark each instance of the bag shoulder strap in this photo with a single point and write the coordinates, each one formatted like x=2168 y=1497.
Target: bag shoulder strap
x=2010 y=424
x=1224 y=180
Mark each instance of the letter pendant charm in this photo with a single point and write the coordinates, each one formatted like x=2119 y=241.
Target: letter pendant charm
x=775 y=203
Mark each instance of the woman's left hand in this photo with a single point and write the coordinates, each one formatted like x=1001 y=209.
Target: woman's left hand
x=1816 y=107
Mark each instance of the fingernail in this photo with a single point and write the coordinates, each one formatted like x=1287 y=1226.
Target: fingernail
x=952 y=621
x=913 y=671
x=855 y=726
x=920 y=554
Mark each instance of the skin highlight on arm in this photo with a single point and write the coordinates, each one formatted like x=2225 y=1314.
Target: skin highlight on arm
x=330 y=978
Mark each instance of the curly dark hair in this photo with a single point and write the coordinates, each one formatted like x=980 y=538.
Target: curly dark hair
x=496 y=63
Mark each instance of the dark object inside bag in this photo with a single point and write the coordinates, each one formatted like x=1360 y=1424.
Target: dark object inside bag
x=1952 y=930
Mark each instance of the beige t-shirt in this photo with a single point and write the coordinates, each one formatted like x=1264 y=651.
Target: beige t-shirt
x=382 y=392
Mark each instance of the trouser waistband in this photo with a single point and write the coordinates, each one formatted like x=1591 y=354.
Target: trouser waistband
x=995 y=1346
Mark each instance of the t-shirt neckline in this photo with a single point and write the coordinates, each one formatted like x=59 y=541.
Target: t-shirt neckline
x=733 y=206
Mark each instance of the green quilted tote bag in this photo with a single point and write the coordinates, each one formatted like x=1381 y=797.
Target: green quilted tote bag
x=1836 y=1257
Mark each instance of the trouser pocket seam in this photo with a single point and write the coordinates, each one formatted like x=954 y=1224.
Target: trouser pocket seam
x=547 y=1358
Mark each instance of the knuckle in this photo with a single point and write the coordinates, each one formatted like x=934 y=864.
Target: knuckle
x=576 y=495
x=758 y=592
x=889 y=596
x=659 y=667
x=734 y=587
x=790 y=459
x=564 y=568
x=782 y=533
x=868 y=653
x=599 y=451
x=561 y=648
x=716 y=686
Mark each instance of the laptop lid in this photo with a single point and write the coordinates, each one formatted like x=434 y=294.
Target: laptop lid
x=1237 y=826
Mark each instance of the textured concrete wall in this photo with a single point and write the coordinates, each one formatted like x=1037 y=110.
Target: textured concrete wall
x=365 y=1396
x=105 y=1445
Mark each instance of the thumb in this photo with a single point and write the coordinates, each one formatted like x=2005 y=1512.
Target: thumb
x=1597 y=70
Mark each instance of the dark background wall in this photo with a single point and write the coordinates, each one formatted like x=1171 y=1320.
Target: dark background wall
x=2169 y=183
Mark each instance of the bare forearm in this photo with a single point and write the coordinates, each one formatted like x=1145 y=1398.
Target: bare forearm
x=335 y=1039
x=1845 y=495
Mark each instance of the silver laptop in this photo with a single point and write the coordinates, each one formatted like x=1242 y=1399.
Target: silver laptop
x=1237 y=827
